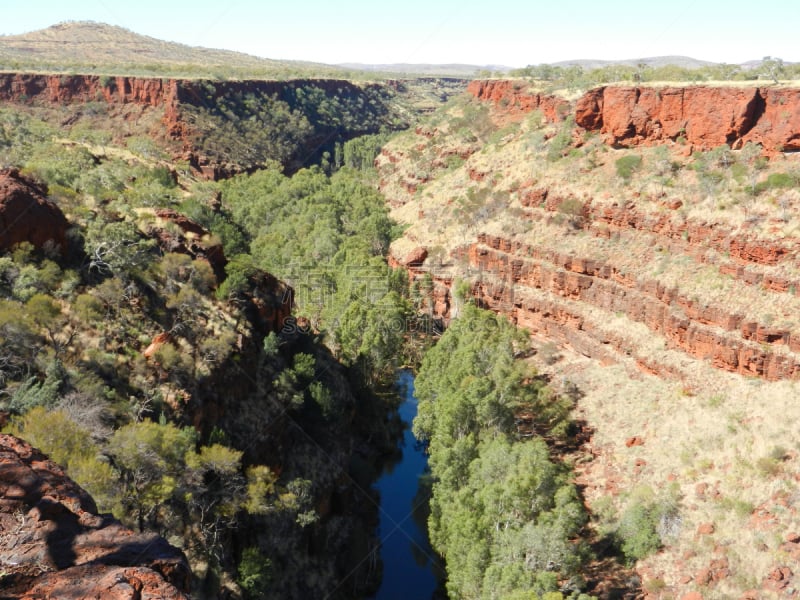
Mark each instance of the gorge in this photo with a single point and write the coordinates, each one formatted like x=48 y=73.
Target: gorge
x=212 y=278
x=638 y=234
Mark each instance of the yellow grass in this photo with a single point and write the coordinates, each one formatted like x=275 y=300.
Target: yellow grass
x=708 y=427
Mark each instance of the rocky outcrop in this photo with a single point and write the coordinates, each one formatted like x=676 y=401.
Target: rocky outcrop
x=193 y=240
x=26 y=215
x=704 y=117
x=778 y=126
x=543 y=290
x=416 y=257
x=53 y=544
x=270 y=302
x=705 y=332
x=514 y=99
x=159 y=341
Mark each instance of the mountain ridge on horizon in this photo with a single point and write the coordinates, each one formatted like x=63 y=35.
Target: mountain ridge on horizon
x=101 y=47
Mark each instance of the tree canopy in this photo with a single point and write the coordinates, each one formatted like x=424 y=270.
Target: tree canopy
x=503 y=514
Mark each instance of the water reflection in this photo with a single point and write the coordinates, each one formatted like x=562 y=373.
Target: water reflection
x=410 y=566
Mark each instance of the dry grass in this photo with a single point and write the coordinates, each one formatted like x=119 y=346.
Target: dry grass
x=717 y=438
x=736 y=438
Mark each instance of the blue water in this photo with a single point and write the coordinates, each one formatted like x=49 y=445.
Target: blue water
x=409 y=567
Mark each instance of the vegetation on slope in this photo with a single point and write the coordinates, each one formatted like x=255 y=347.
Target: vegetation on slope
x=306 y=123
x=88 y=47
x=231 y=437
x=530 y=212
x=505 y=516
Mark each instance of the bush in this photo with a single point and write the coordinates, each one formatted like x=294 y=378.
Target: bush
x=627 y=165
x=645 y=523
x=562 y=141
x=776 y=181
x=637 y=531
x=254 y=573
x=70 y=445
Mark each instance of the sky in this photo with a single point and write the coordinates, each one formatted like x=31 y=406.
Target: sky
x=513 y=33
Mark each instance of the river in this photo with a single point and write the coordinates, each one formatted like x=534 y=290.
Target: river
x=410 y=568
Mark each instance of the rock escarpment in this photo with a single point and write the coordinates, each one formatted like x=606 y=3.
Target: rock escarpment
x=327 y=110
x=706 y=117
x=66 y=89
x=512 y=98
x=53 y=544
x=703 y=116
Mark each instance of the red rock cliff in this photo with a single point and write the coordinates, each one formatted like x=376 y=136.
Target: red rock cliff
x=65 y=89
x=705 y=116
x=514 y=100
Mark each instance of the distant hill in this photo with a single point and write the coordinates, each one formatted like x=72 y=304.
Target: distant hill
x=685 y=62
x=455 y=70
x=91 y=47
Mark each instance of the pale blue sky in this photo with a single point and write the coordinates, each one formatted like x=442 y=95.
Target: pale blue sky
x=509 y=32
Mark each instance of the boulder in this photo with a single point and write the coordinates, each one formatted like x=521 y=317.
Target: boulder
x=26 y=215
x=56 y=545
x=416 y=257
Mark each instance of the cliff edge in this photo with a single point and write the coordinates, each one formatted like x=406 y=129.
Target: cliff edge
x=53 y=544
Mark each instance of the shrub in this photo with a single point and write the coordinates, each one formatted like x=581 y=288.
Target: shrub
x=646 y=522
x=637 y=531
x=88 y=308
x=562 y=141
x=777 y=181
x=70 y=445
x=627 y=165
x=254 y=573
x=573 y=208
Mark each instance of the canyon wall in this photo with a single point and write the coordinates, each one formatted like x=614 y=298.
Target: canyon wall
x=703 y=116
x=568 y=295
x=181 y=100
x=66 y=89
x=682 y=295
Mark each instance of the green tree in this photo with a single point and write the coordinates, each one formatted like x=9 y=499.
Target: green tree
x=627 y=166
x=69 y=445
x=772 y=68
x=502 y=513
x=151 y=460
x=117 y=247
x=254 y=573
x=215 y=490
x=18 y=341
